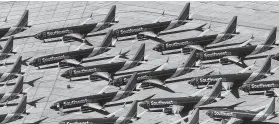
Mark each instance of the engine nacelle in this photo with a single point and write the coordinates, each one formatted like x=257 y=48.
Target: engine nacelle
x=187 y=50
x=97 y=78
x=224 y=61
x=145 y=85
x=168 y=110
x=269 y=93
x=85 y=109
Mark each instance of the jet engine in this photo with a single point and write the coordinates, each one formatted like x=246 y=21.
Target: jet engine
x=269 y=93
x=168 y=110
x=224 y=61
x=187 y=50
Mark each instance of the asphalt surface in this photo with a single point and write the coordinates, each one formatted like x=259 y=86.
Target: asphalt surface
x=255 y=18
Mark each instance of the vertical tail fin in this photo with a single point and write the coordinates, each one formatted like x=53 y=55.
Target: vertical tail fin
x=231 y=29
x=23 y=22
x=18 y=88
x=132 y=113
x=139 y=56
x=21 y=108
x=216 y=92
x=184 y=15
x=268 y=111
x=108 y=39
x=17 y=66
x=271 y=37
x=131 y=83
x=266 y=66
x=194 y=118
x=8 y=48
x=192 y=59
x=111 y=15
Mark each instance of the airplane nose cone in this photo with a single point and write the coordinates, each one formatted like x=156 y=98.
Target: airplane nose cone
x=37 y=36
x=155 y=49
x=143 y=105
x=209 y=113
x=244 y=88
x=31 y=63
x=64 y=75
x=54 y=107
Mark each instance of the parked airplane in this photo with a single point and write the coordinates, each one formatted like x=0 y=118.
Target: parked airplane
x=75 y=57
x=230 y=116
x=107 y=70
x=199 y=42
x=79 y=32
x=96 y=102
x=17 y=114
x=131 y=116
x=19 y=27
x=235 y=80
x=238 y=54
x=13 y=94
x=158 y=77
x=153 y=29
x=270 y=88
x=182 y=105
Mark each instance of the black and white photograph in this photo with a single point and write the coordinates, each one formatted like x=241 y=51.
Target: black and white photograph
x=139 y=62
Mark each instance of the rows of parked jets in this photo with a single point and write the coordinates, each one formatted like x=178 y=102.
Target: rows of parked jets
x=187 y=107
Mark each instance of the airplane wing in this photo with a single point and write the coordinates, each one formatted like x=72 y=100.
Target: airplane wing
x=104 y=75
x=154 y=81
x=234 y=121
x=71 y=61
x=198 y=47
x=94 y=106
x=157 y=20
x=196 y=93
x=247 y=42
x=78 y=48
x=82 y=23
x=247 y=68
x=103 y=90
x=113 y=114
x=148 y=33
x=162 y=66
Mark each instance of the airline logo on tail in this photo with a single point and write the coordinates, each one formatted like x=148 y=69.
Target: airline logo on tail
x=139 y=57
x=128 y=89
x=216 y=92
